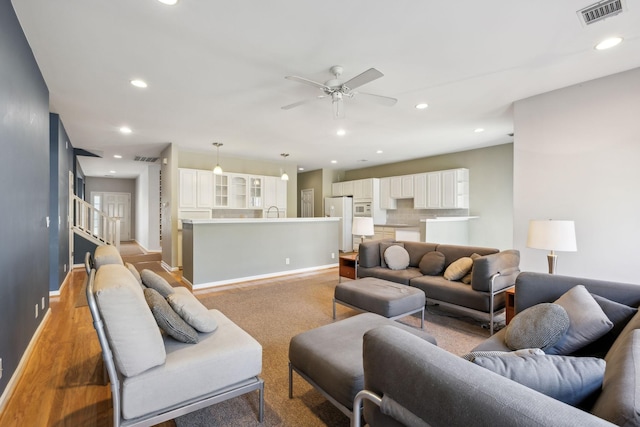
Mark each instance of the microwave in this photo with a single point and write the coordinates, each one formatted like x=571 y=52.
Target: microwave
x=362 y=209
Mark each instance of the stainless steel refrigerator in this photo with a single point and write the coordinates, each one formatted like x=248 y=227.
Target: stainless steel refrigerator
x=341 y=207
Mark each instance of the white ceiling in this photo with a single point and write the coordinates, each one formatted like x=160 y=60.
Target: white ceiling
x=216 y=73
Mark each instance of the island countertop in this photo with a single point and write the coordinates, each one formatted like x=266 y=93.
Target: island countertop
x=256 y=220
x=448 y=218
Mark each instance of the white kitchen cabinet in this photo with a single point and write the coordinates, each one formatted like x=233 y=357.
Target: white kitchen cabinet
x=347 y=188
x=238 y=191
x=402 y=187
x=221 y=191
x=196 y=189
x=256 y=192
x=455 y=188
x=275 y=193
x=420 y=191
x=386 y=202
x=336 y=189
x=433 y=190
x=363 y=189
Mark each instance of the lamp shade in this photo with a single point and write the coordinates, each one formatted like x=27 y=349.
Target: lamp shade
x=362 y=226
x=552 y=235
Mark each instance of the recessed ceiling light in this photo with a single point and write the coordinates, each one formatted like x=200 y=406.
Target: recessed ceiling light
x=169 y=2
x=608 y=43
x=301 y=169
x=334 y=161
x=139 y=83
x=341 y=132
x=422 y=106
x=112 y=171
x=379 y=152
x=478 y=130
x=125 y=129
x=117 y=156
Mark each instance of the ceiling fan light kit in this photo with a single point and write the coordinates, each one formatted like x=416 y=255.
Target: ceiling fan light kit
x=338 y=90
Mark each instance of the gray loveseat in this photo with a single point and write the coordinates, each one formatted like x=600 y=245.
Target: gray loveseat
x=426 y=385
x=493 y=273
x=154 y=377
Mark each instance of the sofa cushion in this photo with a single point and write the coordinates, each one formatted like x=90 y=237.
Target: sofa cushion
x=383 y=248
x=458 y=269
x=571 y=380
x=471 y=357
x=457 y=293
x=135 y=273
x=168 y=320
x=432 y=263
x=134 y=337
x=153 y=280
x=192 y=311
x=540 y=326
x=106 y=254
x=398 y=276
x=587 y=321
x=396 y=257
x=467 y=277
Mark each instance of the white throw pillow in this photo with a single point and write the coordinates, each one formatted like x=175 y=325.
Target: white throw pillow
x=396 y=257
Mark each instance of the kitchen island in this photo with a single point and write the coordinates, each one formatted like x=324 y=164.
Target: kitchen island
x=453 y=230
x=227 y=250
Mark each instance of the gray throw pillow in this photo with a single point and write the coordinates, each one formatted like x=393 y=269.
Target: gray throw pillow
x=168 y=320
x=540 y=326
x=571 y=380
x=432 y=263
x=383 y=247
x=153 y=280
x=458 y=268
x=192 y=311
x=587 y=321
x=396 y=257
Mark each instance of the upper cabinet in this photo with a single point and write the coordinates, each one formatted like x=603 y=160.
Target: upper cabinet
x=448 y=189
x=256 y=192
x=275 y=193
x=363 y=189
x=221 y=191
x=196 y=189
x=402 y=187
x=386 y=202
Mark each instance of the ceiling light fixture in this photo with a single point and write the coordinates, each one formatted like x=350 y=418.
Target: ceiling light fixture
x=217 y=170
x=608 y=43
x=422 y=106
x=139 y=83
x=112 y=171
x=379 y=152
x=283 y=175
x=117 y=156
x=125 y=129
x=334 y=161
x=169 y=2
x=478 y=130
x=341 y=132
x=301 y=168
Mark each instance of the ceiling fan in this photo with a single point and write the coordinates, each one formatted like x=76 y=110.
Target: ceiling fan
x=338 y=90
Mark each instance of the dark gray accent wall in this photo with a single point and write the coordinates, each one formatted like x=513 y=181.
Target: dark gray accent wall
x=24 y=191
x=61 y=162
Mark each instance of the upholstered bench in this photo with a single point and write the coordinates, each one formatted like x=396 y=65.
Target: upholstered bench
x=330 y=357
x=388 y=299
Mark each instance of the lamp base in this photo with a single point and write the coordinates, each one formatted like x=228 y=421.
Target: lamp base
x=552 y=260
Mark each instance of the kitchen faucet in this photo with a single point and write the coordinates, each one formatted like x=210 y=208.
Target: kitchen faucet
x=277 y=211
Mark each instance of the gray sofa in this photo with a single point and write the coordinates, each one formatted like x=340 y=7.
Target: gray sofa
x=493 y=273
x=426 y=385
x=154 y=377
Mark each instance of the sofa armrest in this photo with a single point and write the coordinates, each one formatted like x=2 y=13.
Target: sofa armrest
x=505 y=264
x=369 y=254
x=441 y=388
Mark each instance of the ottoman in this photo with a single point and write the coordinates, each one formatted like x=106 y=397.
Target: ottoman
x=388 y=299
x=330 y=357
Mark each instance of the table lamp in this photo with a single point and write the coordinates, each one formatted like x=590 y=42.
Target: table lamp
x=362 y=226
x=552 y=235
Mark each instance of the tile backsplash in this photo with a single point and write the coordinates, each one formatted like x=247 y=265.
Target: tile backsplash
x=406 y=214
x=236 y=213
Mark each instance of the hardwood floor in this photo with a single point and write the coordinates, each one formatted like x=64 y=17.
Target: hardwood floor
x=62 y=382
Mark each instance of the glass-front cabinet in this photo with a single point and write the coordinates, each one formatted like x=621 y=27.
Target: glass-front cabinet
x=221 y=191
x=256 y=196
x=238 y=191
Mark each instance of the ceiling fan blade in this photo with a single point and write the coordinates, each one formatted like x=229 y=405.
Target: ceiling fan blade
x=306 y=101
x=307 y=82
x=362 y=79
x=378 y=99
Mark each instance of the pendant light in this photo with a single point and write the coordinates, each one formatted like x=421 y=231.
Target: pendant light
x=284 y=175
x=217 y=170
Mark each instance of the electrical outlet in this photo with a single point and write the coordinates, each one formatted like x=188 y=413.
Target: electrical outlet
x=42 y=303
x=286 y=261
x=36 y=311
x=65 y=268
x=333 y=255
x=0 y=367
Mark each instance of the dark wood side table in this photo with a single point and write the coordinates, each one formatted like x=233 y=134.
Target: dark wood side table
x=510 y=304
x=348 y=265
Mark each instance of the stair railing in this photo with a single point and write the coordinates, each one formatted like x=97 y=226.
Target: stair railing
x=96 y=223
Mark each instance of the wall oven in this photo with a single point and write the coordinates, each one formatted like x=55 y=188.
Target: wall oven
x=362 y=209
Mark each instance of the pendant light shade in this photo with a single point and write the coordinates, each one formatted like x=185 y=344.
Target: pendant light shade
x=217 y=170
x=283 y=175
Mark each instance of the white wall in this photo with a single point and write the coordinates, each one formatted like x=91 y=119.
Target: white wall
x=148 y=208
x=576 y=157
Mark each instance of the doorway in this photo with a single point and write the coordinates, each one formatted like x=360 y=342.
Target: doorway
x=306 y=203
x=115 y=205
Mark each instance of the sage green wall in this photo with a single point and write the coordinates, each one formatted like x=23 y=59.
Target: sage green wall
x=200 y=160
x=490 y=188
x=312 y=180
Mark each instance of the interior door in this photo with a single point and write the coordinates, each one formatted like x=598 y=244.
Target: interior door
x=116 y=205
x=306 y=203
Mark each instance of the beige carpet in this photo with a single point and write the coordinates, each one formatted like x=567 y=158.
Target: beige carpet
x=275 y=311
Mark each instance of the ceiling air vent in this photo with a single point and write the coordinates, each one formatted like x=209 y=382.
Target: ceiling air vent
x=601 y=10
x=145 y=159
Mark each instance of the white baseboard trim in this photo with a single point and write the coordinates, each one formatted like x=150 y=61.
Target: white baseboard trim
x=168 y=267
x=64 y=282
x=151 y=251
x=261 y=276
x=13 y=381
